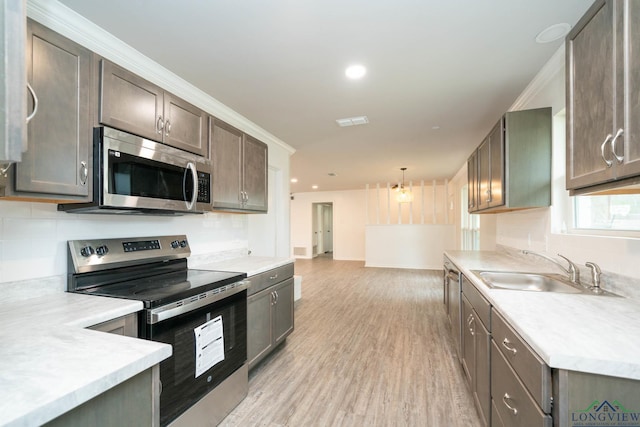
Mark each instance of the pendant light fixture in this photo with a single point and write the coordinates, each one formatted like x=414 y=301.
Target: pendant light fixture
x=404 y=194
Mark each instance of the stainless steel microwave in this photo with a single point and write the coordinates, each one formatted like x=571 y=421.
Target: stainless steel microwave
x=136 y=175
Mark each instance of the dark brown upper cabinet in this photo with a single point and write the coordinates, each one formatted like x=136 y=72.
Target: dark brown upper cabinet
x=511 y=168
x=603 y=78
x=132 y=104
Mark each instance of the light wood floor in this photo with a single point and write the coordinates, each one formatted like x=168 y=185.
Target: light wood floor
x=371 y=347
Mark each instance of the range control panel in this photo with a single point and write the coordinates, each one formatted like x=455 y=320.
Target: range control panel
x=102 y=254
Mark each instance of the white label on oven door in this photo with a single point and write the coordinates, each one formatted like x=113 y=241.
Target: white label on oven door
x=209 y=345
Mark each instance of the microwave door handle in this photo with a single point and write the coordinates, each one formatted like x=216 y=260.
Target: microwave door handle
x=191 y=167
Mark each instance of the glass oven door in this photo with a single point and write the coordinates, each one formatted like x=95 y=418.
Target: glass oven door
x=185 y=379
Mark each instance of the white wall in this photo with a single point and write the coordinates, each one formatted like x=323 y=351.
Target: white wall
x=429 y=205
x=349 y=217
x=269 y=234
x=33 y=235
x=417 y=246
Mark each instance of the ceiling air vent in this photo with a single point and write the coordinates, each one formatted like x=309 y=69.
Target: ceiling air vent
x=353 y=121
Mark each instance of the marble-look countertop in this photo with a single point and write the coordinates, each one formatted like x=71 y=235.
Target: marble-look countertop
x=598 y=334
x=251 y=265
x=50 y=364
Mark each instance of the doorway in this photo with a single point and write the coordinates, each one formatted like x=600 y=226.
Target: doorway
x=322 y=238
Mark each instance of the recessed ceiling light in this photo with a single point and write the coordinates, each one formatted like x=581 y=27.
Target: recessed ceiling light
x=294 y=180
x=353 y=121
x=315 y=187
x=553 y=33
x=355 y=71
x=435 y=127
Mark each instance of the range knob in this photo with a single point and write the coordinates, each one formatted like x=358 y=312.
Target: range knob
x=183 y=243
x=175 y=244
x=102 y=250
x=87 y=251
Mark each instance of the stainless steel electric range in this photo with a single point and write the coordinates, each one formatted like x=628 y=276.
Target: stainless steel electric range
x=202 y=314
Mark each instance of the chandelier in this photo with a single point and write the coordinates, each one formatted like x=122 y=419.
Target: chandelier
x=404 y=194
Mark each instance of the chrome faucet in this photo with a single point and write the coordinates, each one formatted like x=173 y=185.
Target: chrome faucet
x=572 y=272
x=595 y=276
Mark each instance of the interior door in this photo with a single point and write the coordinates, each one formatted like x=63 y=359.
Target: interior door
x=327 y=228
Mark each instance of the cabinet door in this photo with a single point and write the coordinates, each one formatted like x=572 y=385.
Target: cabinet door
x=255 y=174
x=627 y=93
x=130 y=103
x=482 y=387
x=445 y=293
x=259 y=330
x=454 y=313
x=496 y=174
x=590 y=97
x=283 y=310
x=60 y=135
x=484 y=174
x=125 y=325
x=468 y=341
x=472 y=182
x=226 y=158
x=185 y=126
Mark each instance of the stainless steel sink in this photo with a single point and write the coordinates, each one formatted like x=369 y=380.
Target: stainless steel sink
x=529 y=282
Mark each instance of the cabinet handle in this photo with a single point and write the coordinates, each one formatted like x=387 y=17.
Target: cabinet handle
x=159 y=124
x=167 y=126
x=84 y=173
x=35 y=103
x=274 y=277
x=277 y=297
x=511 y=408
x=489 y=196
x=505 y=344
x=620 y=159
x=604 y=144
x=470 y=322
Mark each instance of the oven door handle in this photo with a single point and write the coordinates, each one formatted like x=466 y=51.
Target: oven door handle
x=175 y=309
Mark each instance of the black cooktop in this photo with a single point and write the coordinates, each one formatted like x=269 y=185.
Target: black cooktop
x=161 y=289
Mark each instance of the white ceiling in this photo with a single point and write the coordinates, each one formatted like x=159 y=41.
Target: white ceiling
x=455 y=64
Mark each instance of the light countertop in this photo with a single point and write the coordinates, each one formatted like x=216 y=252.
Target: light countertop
x=50 y=364
x=597 y=334
x=251 y=265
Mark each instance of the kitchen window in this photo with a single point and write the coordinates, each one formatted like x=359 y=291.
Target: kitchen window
x=611 y=212
x=470 y=224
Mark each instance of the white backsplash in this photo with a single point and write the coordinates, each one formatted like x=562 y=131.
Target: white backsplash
x=33 y=238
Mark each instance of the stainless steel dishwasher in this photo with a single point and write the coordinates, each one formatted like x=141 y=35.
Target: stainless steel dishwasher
x=452 y=298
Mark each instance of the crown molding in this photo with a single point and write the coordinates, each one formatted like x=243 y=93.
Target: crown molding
x=544 y=76
x=70 y=24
